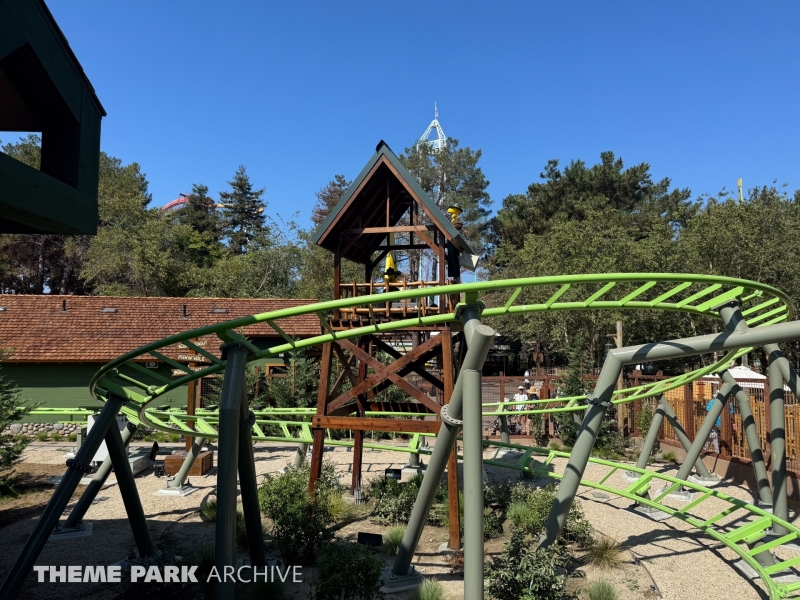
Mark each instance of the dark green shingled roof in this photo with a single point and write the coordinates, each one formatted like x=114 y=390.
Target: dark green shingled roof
x=440 y=219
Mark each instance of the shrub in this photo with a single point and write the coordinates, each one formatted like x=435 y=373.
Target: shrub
x=523 y=573
x=394 y=500
x=394 y=537
x=430 y=589
x=208 y=508
x=41 y=436
x=606 y=553
x=11 y=447
x=601 y=590
x=203 y=557
x=341 y=509
x=455 y=560
x=72 y=437
x=555 y=446
x=347 y=571
x=670 y=457
x=174 y=437
x=299 y=519
x=258 y=590
x=530 y=507
x=57 y=437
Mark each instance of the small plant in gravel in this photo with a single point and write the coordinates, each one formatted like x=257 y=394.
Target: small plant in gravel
x=523 y=573
x=72 y=437
x=394 y=500
x=203 y=557
x=208 y=508
x=393 y=538
x=601 y=590
x=41 y=436
x=455 y=560
x=259 y=590
x=241 y=531
x=57 y=437
x=341 y=509
x=174 y=437
x=606 y=553
x=347 y=572
x=555 y=446
x=299 y=520
x=669 y=457
x=431 y=589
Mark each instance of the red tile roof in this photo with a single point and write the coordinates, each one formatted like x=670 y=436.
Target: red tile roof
x=39 y=331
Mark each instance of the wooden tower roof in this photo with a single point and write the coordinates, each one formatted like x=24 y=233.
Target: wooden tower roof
x=376 y=201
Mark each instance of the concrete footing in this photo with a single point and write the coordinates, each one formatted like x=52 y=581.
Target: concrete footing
x=400 y=583
x=651 y=513
x=785 y=576
x=83 y=530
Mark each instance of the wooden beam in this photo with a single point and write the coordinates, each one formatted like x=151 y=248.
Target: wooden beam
x=324 y=377
x=385 y=372
x=415 y=368
x=375 y=424
x=398 y=229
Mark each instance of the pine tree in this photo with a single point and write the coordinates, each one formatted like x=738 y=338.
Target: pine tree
x=243 y=211
x=11 y=448
x=199 y=212
x=328 y=197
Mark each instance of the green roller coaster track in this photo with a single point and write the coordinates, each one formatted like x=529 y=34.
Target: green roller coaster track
x=691 y=294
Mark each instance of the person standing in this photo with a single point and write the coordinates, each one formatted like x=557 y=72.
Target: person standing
x=520 y=397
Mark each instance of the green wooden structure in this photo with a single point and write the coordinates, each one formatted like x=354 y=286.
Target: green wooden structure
x=43 y=89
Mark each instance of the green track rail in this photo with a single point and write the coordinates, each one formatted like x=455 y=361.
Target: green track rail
x=691 y=294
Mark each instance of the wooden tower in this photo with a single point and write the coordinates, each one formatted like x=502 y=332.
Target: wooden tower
x=385 y=212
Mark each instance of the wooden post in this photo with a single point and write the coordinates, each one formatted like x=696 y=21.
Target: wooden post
x=322 y=401
x=452 y=462
x=688 y=410
x=191 y=395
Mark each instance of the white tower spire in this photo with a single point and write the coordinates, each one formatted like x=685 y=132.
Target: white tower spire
x=441 y=140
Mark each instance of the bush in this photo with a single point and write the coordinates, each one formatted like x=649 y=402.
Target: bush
x=455 y=560
x=529 y=510
x=41 y=436
x=341 y=509
x=203 y=557
x=430 y=589
x=601 y=590
x=11 y=447
x=523 y=573
x=208 y=508
x=57 y=437
x=241 y=531
x=174 y=437
x=347 y=571
x=394 y=501
x=299 y=520
x=606 y=553
x=670 y=457
x=394 y=537
x=72 y=437
x=495 y=503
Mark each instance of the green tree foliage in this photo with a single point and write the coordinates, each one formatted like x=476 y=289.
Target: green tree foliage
x=200 y=214
x=347 y=572
x=243 y=212
x=452 y=176
x=11 y=448
x=328 y=197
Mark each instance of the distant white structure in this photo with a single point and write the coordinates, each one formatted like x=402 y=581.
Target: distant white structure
x=441 y=140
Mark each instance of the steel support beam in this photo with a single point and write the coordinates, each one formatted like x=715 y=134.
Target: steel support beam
x=188 y=463
x=77 y=468
x=473 y=484
x=717 y=404
x=652 y=433
x=777 y=442
x=249 y=486
x=479 y=338
x=97 y=483
x=227 y=462
x=683 y=438
x=127 y=489
x=753 y=443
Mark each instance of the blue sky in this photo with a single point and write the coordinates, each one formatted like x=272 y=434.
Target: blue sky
x=298 y=91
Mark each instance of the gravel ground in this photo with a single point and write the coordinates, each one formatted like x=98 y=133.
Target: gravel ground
x=683 y=562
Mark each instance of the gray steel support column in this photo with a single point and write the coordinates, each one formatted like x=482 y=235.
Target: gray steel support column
x=599 y=402
x=718 y=403
x=97 y=483
x=188 y=463
x=652 y=433
x=753 y=443
x=680 y=433
x=228 y=450
x=413 y=460
x=78 y=467
x=504 y=437
x=300 y=455
x=128 y=491
x=473 y=485
x=249 y=486
x=777 y=442
x=479 y=338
